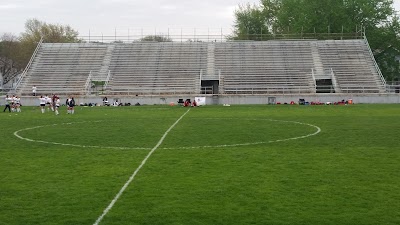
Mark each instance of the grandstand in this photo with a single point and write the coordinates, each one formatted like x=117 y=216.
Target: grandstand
x=276 y=67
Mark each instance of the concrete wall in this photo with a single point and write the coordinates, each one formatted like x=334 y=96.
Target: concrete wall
x=226 y=99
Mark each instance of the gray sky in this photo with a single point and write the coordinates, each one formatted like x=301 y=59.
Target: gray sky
x=106 y=16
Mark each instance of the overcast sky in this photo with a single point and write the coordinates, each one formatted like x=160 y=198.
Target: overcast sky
x=106 y=16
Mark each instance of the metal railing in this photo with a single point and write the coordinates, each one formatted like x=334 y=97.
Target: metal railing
x=314 y=79
x=375 y=63
x=359 y=89
x=206 y=35
x=107 y=80
x=268 y=90
x=28 y=65
x=152 y=92
x=88 y=83
x=215 y=76
x=393 y=88
x=207 y=90
x=334 y=82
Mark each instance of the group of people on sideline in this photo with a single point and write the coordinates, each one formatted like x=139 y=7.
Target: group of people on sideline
x=187 y=103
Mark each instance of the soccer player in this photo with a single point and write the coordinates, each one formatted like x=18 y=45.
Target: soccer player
x=17 y=103
x=42 y=101
x=56 y=105
x=48 y=103
x=53 y=101
x=13 y=103
x=8 y=102
x=70 y=104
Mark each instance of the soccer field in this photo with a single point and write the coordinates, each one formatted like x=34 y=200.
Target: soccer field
x=261 y=164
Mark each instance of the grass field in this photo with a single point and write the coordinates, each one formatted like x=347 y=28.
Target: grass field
x=218 y=165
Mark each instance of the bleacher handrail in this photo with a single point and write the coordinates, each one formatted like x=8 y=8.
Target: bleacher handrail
x=28 y=65
x=375 y=63
x=88 y=83
x=314 y=79
x=393 y=88
x=334 y=82
x=107 y=80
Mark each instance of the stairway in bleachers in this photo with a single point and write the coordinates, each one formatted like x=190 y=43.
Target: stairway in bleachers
x=103 y=72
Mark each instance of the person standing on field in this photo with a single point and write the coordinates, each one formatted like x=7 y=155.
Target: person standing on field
x=12 y=103
x=8 y=102
x=42 y=101
x=17 y=103
x=70 y=104
x=53 y=101
x=56 y=105
x=34 y=90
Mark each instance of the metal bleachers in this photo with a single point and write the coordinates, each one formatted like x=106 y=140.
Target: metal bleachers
x=265 y=67
x=175 y=68
x=150 y=68
x=63 y=68
x=352 y=64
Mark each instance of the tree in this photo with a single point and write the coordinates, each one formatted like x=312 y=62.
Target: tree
x=284 y=17
x=157 y=38
x=54 y=33
x=10 y=61
x=250 y=23
x=35 y=30
x=386 y=42
x=15 y=52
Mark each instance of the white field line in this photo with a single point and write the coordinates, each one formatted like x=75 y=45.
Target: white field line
x=318 y=130
x=109 y=207
x=16 y=133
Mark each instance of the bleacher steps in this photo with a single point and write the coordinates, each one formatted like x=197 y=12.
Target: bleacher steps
x=318 y=66
x=103 y=72
x=211 y=73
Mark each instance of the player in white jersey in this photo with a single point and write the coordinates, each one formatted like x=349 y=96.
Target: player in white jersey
x=42 y=101
x=13 y=103
x=56 y=105
x=48 y=103
x=17 y=103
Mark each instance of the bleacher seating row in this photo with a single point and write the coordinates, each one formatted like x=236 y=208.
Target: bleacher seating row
x=167 y=68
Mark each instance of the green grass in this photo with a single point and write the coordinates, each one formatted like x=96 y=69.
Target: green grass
x=347 y=174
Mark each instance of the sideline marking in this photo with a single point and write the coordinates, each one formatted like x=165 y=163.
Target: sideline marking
x=193 y=147
x=109 y=207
